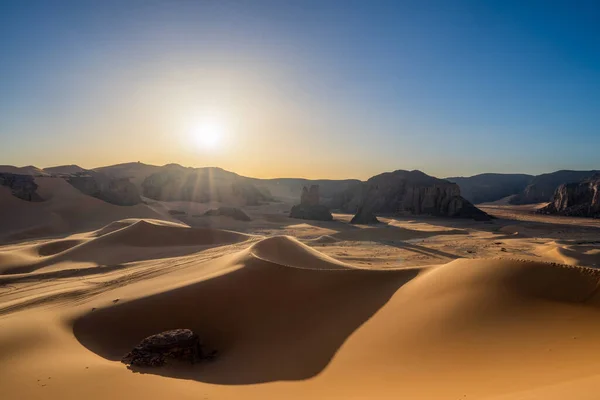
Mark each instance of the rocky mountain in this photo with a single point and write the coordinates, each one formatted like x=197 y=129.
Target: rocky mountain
x=310 y=207
x=28 y=170
x=203 y=185
x=136 y=172
x=542 y=187
x=484 y=188
x=579 y=199
x=412 y=192
x=174 y=182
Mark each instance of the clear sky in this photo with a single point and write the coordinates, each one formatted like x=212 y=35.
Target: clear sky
x=322 y=88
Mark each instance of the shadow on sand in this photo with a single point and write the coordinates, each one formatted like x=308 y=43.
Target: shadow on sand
x=267 y=322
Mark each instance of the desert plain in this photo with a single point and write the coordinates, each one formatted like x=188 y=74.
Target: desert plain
x=414 y=307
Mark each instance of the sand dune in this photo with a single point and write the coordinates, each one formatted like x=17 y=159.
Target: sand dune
x=287 y=251
x=577 y=253
x=119 y=242
x=290 y=320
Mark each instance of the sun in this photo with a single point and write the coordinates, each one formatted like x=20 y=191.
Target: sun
x=208 y=135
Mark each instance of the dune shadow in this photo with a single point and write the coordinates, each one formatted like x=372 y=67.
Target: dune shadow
x=267 y=322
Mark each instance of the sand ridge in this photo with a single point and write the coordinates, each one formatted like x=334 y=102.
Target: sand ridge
x=119 y=242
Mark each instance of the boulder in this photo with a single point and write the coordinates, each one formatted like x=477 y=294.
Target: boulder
x=156 y=350
x=580 y=199
x=412 y=193
x=309 y=207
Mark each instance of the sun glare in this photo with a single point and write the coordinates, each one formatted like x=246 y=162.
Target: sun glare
x=208 y=135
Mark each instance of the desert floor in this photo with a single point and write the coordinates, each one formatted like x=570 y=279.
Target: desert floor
x=414 y=308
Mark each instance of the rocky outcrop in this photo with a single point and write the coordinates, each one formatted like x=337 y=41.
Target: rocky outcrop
x=581 y=199
x=542 y=187
x=232 y=212
x=364 y=217
x=155 y=350
x=412 y=193
x=309 y=207
x=310 y=197
x=21 y=186
x=202 y=185
x=118 y=191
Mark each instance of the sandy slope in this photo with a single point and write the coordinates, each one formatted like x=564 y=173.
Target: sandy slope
x=290 y=321
x=65 y=209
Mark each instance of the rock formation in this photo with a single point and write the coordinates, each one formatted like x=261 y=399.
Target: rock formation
x=309 y=207
x=119 y=191
x=177 y=344
x=232 y=212
x=542 y=187
x=412 y=192
x=21 y=186
x=580 y=199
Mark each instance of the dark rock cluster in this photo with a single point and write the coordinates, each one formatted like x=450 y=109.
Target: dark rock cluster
x=21 y=186
x=177 y=344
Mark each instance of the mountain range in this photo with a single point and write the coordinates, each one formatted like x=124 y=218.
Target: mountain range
x=481 y=188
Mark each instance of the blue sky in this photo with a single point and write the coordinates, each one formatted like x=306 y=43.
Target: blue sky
x=307 y=88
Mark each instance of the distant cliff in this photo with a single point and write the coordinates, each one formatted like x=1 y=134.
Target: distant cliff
x=484 y=188
x=119 y=191
x=580 y=199
x=542 y=187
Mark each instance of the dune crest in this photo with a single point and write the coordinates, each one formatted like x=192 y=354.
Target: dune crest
x=119 y=242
